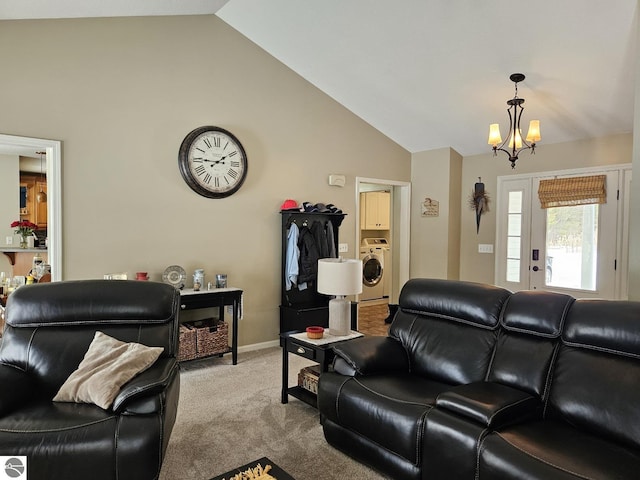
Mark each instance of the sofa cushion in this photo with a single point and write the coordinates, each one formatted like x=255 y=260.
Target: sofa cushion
x=58 y=303
x=536 y=312
x=390 y=410
x=553 y=451
x=448 y=328
x=596 y=375
x=468 y=302
x=489 y=404
x=106 y=367
x=532 y=322
x=605 y=325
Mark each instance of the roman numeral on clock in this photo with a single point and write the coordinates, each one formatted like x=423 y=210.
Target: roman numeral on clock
x=232 y=173
x=207 y=178
x=199 y=170
x=216 y=141
x=207 y=143
x=235 y=164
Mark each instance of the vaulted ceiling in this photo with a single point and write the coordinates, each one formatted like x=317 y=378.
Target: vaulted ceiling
x=432 y=73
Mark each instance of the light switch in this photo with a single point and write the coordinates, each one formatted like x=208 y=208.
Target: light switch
x=343 y=247
x=485 y=248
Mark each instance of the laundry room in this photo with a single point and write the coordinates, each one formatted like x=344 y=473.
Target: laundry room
x=376 y=235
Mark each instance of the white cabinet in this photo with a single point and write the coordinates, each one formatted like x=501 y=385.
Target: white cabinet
x=375 y=210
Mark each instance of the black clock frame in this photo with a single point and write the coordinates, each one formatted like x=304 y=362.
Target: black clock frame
x=183 y=162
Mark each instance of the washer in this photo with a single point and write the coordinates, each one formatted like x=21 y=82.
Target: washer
x=372 y=256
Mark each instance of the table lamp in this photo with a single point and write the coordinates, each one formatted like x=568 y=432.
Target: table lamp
x=339 y=277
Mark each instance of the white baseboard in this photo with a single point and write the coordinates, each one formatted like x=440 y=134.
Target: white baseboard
x=258 y=346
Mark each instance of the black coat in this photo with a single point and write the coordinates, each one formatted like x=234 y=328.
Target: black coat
x=308 y=269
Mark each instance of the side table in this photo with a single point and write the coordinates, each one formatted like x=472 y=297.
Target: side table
x=320 y=351
x=191 y=300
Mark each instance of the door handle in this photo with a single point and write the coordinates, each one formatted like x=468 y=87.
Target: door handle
x=535 y=268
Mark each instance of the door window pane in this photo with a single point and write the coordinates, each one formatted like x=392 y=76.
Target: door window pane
x=572 y=247
x=514 y=234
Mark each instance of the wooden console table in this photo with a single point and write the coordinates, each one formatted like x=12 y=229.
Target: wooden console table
x=219 y=297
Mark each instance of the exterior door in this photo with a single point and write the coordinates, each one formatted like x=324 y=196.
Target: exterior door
x=576 y=246
x=567 y=249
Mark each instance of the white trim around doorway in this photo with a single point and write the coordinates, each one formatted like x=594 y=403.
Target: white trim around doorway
x=402 y=222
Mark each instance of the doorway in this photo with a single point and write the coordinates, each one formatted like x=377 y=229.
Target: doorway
x=386 y=244
x=10 y=144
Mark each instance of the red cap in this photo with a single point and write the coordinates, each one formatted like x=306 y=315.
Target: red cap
x=289 y=205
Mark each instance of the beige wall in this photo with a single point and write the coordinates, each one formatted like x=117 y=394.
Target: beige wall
x=435 y=246
x=479 y=267
x=122 y=93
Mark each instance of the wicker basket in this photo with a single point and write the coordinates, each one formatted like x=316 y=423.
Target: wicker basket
x=308 y=378
x=212 y=337
x=187 y=342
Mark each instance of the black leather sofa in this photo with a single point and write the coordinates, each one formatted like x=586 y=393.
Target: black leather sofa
x=49 y=328
x=474 y=382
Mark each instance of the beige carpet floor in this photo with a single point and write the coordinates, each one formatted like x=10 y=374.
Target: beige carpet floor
x=230 y=415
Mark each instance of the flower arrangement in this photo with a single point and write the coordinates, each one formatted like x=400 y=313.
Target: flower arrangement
x=25 y=229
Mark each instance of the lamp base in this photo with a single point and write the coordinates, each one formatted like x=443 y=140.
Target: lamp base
x=339 y=316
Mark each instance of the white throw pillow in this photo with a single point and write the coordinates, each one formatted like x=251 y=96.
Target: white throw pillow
x=105 y=368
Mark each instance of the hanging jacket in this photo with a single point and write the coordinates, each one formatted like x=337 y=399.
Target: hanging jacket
x=292 y=265
x=331 y=240
x=308 y=268
x=320 y=237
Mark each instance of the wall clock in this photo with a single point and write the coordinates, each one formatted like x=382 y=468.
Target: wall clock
x=212 y=162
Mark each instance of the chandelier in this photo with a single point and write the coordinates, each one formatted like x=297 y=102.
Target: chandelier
x=515 y=142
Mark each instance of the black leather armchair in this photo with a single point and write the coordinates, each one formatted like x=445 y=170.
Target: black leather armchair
x=49 y=328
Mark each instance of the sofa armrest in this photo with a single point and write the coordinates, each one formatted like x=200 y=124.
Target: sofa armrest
x=490 y=404
x=17 y=388
x=370 y=355
x=154 y=380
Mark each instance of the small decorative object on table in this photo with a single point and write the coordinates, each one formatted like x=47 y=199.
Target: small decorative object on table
x=174 y=275
x=25 y=229
x=198 y=279
x=256 y=473
x=221 y=280
x=315 y=332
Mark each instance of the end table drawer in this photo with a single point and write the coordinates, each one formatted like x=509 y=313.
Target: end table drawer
x=302 y=350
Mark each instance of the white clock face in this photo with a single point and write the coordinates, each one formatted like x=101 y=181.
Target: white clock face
x=213 y=162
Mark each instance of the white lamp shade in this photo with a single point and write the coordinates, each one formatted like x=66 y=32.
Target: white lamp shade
x=338 y=276
x=533 y=135
x=494 y=135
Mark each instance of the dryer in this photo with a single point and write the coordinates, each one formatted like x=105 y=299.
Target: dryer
x=372 y=255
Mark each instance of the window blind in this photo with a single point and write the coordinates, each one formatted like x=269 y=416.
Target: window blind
x=570 y=191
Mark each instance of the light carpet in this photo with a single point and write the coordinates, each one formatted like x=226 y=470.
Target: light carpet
x=230 y=415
